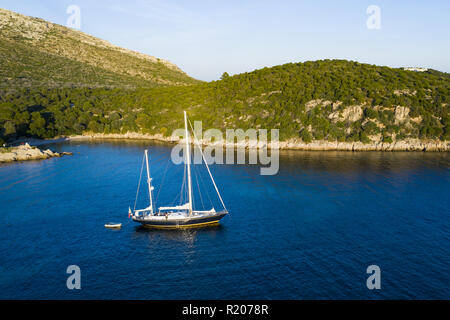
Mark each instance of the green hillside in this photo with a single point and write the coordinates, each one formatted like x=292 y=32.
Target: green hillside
x=322 y=100
x=37 y=54
x=43 y=95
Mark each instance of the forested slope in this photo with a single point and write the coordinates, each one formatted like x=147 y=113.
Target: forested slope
x=84 y=85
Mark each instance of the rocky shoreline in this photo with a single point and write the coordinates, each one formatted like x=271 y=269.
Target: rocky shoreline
x=292 y=144
x=27 y=152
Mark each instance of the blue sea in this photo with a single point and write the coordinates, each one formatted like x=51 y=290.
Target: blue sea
x=309 y=232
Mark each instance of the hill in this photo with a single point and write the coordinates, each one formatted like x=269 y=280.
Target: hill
x=332 y=100
x=328 y=100
x=35 y=53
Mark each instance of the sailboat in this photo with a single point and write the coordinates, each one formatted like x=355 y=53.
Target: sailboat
x=183 y=215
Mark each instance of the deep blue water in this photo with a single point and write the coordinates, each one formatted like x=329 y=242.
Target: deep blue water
x=309 y=232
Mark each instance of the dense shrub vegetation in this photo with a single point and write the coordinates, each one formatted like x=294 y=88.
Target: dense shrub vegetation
x=332 y=100
x=58 y=81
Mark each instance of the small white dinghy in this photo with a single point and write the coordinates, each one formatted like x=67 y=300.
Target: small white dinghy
x=113 y=225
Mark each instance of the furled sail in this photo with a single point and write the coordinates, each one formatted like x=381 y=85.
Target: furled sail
x=182 y=207
x=205 y=211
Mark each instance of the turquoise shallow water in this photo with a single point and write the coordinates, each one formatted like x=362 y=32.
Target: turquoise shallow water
x=309 y=232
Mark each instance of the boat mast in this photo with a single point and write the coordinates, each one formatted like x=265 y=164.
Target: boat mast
x=188 y=163
x=149 y=182
x=207 y=167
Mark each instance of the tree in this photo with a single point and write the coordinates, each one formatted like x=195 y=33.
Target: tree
x=10 y=130
x=371 y=128
x=224 y=76
x=306 y=136
x=364 y=138
x=37 y=125
x=371 y=113
x=95 y=126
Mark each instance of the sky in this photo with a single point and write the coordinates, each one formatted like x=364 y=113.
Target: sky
x=208 y=37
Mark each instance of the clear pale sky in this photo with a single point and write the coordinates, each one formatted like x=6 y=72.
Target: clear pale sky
x=207 y=37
